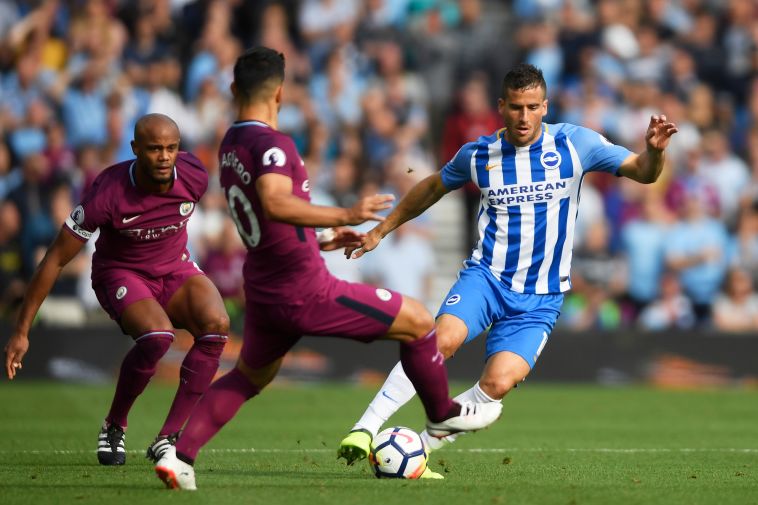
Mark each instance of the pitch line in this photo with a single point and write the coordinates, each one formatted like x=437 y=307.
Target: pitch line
x=493 y=450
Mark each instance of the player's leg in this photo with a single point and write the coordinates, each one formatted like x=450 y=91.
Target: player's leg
x=262 y=351
x=514 y=344
x=153 y=334
x=469 y=307
x=196 y=306
x=128 y=299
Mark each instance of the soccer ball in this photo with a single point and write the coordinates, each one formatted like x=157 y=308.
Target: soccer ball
x=398 y=453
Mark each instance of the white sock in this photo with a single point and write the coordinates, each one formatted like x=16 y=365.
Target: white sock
x=475 y=394
x=396 y=391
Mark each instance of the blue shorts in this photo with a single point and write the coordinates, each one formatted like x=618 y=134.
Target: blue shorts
x=520 y=323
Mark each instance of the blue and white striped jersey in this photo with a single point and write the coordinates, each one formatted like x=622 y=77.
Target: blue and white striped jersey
x=529 y=201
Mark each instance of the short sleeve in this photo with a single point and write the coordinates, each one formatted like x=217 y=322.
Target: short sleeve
x=597 y=153
x=196 y=174
x=277 y=156
x=457 y=171
x=91 y=213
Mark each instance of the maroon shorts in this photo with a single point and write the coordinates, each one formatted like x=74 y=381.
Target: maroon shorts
x=117 y=288
x=341 y=309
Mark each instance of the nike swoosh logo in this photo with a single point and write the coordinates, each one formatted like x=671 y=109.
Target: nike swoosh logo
x=384 y=393
x=130 y=219
x=490 y=167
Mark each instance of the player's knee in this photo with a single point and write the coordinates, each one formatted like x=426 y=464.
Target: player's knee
x=497 y=387
x=422 y=323
x=216 y=324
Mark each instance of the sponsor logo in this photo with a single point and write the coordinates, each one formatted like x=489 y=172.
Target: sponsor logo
x=120 y=292
x=384 y=394
x=306 y=185
x=186 y=207
x=78 y=215
x=550 y=159
x=155 y=233
x=129 y=219
x=274 y=156
x=491 y=166
x=453 y=300
x=383 y=295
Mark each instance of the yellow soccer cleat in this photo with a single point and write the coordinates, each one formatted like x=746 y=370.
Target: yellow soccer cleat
x=430 y=474
x=355 y=446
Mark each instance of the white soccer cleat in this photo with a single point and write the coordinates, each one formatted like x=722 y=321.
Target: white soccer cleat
x=435 y=443
x=473 y=416
x=175 y=473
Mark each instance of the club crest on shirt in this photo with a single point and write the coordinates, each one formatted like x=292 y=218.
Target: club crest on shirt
x=453 y=300
x=185 y=208
x=120 y=292
x=78 y=215
x=274 y=156
x=550 y=159
x=383 y=295
x=306 y=186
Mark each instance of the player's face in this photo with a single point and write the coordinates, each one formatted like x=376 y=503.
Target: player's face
x=522 y=111
x=156 y=153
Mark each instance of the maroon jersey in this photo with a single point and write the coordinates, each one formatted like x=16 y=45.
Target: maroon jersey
x=283 y=261
x=141 y=231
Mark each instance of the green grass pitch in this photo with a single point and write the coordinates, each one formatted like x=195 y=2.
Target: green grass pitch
x=568 y=445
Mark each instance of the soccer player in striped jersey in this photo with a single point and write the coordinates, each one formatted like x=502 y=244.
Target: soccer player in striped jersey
x=529 y=174
x=143 y=277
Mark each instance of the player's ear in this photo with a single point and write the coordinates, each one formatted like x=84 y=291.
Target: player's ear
x=134 y=147
x=278 y=94
x=233 y=89
x=500 y=106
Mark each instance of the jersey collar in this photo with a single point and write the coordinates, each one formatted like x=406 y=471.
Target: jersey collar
x=253 y=122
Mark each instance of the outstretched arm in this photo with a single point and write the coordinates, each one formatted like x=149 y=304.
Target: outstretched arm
x=646 y=167
x=279 y=204
x=64 y=248
x=421 y=196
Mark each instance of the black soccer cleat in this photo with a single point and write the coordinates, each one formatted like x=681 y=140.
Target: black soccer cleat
x=160 y=445
x=110 y=445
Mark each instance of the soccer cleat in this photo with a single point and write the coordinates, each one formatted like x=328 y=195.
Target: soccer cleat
x=110 y=445
x=473 y=416
x=435 y=443
x=430 y=474
x=175 y=473
x=160 y=445
x=355 y=446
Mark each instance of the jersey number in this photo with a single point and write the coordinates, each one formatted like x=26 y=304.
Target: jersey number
x=253 y=236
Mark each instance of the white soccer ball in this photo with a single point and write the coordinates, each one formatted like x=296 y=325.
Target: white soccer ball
x=398 y=453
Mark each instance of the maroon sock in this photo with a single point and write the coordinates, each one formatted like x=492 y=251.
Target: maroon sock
x=198 y=369
x=136 y=370
x=217 y=406
x=425 y=367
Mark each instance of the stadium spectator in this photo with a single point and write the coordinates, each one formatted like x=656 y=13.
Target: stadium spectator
x=736 y=308
x=671 y=310
x=696 y=249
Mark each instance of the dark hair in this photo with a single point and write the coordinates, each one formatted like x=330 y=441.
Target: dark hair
x=523 y=76
x=255 y=69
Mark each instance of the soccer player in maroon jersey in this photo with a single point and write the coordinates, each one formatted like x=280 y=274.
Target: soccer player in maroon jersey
x=288 y=290
x=142 y=275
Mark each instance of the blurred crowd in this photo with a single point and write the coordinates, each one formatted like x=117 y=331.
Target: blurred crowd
x=375 y=87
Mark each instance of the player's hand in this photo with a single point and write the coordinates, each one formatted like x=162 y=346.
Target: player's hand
x=367 y=207
x=659 y=131
x=368 y=243
x=343 y=237
x=15 y=350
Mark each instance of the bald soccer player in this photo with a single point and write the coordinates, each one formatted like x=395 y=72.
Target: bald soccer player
x=143 y=277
